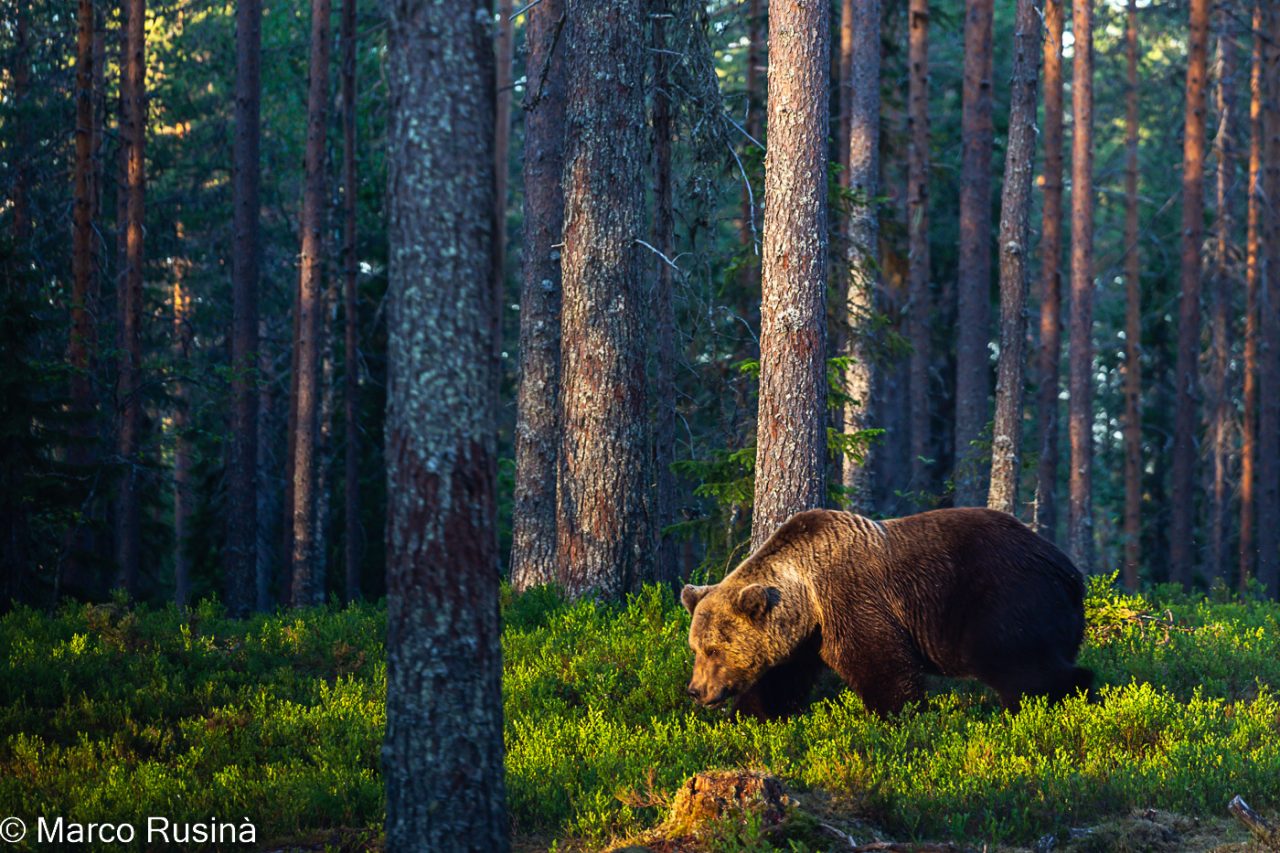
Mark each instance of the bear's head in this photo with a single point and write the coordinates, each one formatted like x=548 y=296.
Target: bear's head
x=739 y=631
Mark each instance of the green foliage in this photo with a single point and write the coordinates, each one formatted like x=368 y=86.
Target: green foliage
x=111 y=713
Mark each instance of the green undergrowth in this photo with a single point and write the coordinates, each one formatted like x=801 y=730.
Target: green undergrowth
x=111 y=714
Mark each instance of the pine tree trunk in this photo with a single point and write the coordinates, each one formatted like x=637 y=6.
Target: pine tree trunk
x=537 y=433
x=183 y=499
x=1046 y=520
x=862 y=246
x=1219 y=413
x=242 y=510
x=604 y=535
x=504 y=48
x=791 y=446
x=919 y=301
x=133 y=100
x=269 y=482
x=1268 y=507
x=310 y=320
x=351 y=310
x=443 y=753
x=1080 y=409
x=1253 y=278
x=973 y=285
x=1182 y=528
x=1015 y=245
x=1133 y=318
x=80 y=452
x=846 y=92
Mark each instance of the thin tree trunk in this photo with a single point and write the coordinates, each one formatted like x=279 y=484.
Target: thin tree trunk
x=133 y=98
x=1015 y=244
x=862 y=247
x=537 y=433
x=1253 y=276
x=1080 y=410
x=324 y=444
x=604 y=537
x=505 y=54
x=1046 y=514
x=351 y=308
x=847 y=90
x=791 y=446
x=268 y=479
x=973 y=285
x=310 y=320
x=1219 y=410
x=667 y=568
x=22 y=135
x=443 y=754
x=242 y=520
x=183 y=502
x=1268 y=507
x=1133 y=318
x=918 y=298
x=84 y=255
x=1182 y=528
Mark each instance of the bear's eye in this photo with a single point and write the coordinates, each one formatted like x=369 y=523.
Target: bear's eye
x=711 y=653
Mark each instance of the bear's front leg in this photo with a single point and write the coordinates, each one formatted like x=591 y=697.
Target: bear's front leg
x=886 y=675
x=781 y=691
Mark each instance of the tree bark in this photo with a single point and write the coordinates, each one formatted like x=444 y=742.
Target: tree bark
x=310 y=318
x=847 y=91
x=1182 y=528
x=1253 y=275
x=270 y=483
x=351 y=309
x=80 y=452
x=1133 y=317
x=242 y=512
x=973 y=285
x=1046 y=514
x=918 y=297
x=604 y=534
x=1080 y=410
x=1219 y=413
x=791 y=446
x=1268 y=497
x=183 y=498
x=133 y=98
x=862 y=247
x=1015 y=239
x=443 y=753
x=537 y=433
x=504 y=48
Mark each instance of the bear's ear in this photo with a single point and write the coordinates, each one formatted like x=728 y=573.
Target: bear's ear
x=691 y=595
x=755 y=599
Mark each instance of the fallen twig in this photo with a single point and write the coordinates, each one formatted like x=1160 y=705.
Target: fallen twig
x=1263 y=830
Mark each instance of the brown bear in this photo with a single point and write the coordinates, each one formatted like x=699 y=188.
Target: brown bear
x=960 y=592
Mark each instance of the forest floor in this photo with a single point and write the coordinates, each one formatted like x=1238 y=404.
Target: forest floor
x=109 y=713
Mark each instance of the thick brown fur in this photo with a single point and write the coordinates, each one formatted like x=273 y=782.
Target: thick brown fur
x=966 y=593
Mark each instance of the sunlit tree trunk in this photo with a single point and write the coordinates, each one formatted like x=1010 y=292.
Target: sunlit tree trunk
x=919 y=302
x=791 y=447
x=604 y=534
x=537 y=433
x=1046 y=521
x=1015 y=239
x=242 y=510
x=1133 y=317
x=1253 y=275
x=351 y=310
x=310 y=321
x=183 y=498
x=1080 y=410
x=973 y=285
x=1182 y=528
x=442 y=759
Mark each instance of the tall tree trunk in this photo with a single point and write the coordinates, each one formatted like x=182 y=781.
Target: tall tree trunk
x=973 y=285
x=183 y=502
x=134 y=101
x=1253 y=278
x=269 y=481
x=918 y=298
x=1219 y=413
x=443 y=755
x=1268 y=507
x=1080 y=410
x=504 y=47
x=1015 y=240
x=667 y=568
x=310 y=320
x=862 y=247
x=351 y=308
x=604 y=537
x=1133 y=317
x=791 y=446
x=84 y=255
x=537 y=433
x=1182 y=528
x=242 y=512
x=22 y=135
x=1046 y=520
x=846 y=92
x=323 y=451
